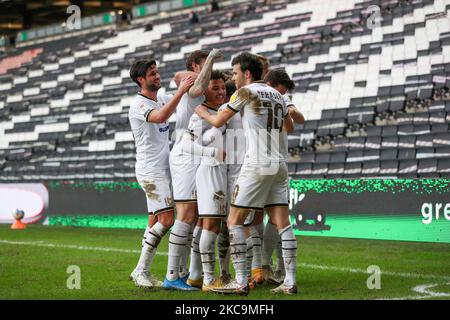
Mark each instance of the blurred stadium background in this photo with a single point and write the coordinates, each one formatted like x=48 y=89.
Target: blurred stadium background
x=371 y=161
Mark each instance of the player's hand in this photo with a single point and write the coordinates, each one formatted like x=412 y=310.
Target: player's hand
x=202 y=111
x=216 y=55
x=291 y=110
x=186 y=84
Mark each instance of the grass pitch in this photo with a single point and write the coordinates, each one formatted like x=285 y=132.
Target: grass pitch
x=34 y=264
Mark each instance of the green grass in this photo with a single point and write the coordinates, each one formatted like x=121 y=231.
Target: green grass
x=328 y=268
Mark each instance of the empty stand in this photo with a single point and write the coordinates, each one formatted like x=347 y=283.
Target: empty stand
x=376 y=101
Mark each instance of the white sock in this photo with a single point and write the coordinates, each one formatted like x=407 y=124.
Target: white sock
x=145 y=235
x=207 y=251
x=280 y=260
x=177 y=243
x=238 y=252
x=195 y=269
x=289 y=255
x=249 y=254
x=270 y=240
x=223 y=247
x=152 y=238
x=184 y=270
x=257 y=248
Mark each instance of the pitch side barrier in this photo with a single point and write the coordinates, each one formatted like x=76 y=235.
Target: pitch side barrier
x=387 y=209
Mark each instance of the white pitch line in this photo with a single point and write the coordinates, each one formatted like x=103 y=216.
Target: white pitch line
x=299 y=265
x=388 y=273
x=423 y=289
x=70 y=246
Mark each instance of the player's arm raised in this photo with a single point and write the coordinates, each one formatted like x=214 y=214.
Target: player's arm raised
x=163 y=114
x=288 y=124
x=218 y=119
x=180 y=75
x=295 y=114
x=202 y=81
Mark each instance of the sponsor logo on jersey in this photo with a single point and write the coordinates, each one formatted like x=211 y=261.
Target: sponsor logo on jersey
x=164 y=129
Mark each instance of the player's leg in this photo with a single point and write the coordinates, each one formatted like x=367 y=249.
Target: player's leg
x=238 y=243
x=210 y=230
x=271 y=240
x=160 y=206
x=211 y=183
x=185 y=197
x=277 y=208
x=256 y=233
x=153 y=235
x=279 y=269
x=184 y=268
x=249 y=240
x=178 y=240
x=223 y=246
x=151 y=221
x=280 y=215
x=249 y=194
x=195 y=268
x=223 y=240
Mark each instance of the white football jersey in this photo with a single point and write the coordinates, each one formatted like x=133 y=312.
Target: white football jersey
x=151 y=139
x=207 y=135
x=185 y=110
x=263 y=110
x=287 y=100
x=235 y=142
x=284 y=144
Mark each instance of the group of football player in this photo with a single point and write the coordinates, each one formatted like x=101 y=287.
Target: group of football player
x=227 y=167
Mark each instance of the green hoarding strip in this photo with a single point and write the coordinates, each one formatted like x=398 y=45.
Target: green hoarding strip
x=141 y=11
x=119 y=221
x=106 y=18
x=380 y=227
x=393 y=186
x=188 y=3
x=383 y=227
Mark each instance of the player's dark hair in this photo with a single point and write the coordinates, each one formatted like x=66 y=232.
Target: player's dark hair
x=228 y=74
x=279 y=76
x=217 y=75
x=249 y=62
x=230 y=87
x=195 y=57
x=265 y=62
x=139 y=68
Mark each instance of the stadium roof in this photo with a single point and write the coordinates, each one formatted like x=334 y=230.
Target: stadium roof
x=17 y=15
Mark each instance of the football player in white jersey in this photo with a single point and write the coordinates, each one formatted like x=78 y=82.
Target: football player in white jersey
x=207 y=142
x=260 y=264
x=148 y=120
x=280 y=81
x=263 y=180
x=183 y=169
x=234 y=162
